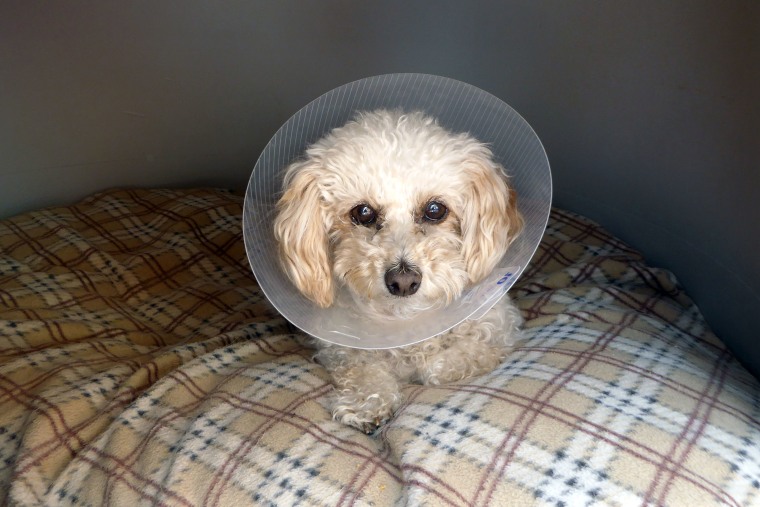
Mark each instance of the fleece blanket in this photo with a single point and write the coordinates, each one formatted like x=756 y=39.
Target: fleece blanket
x=140 y=364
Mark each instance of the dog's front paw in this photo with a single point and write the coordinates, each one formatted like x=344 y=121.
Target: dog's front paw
x=365 y=396
x=460 y=362
x=366 y=412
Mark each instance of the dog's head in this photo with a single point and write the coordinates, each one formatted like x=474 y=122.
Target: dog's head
x=403 y=212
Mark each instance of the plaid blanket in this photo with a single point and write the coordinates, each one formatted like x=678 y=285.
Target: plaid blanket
x=140 y=364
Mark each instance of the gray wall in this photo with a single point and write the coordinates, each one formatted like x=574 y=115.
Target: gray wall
x=649 y=111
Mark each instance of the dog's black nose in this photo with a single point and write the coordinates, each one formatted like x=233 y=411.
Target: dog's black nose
x=402 y=280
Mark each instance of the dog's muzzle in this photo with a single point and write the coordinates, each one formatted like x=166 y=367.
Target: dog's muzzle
x=403 y=280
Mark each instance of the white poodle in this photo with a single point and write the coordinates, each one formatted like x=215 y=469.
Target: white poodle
x=406 y=215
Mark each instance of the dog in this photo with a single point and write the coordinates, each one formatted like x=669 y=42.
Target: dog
x=406 y=215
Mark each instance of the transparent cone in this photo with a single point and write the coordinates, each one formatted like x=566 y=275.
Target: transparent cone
x=457 y=106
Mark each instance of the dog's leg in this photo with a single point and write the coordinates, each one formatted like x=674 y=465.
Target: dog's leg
x=366 y=394
x=460 y=361
x=367 y=384
x=473 y=347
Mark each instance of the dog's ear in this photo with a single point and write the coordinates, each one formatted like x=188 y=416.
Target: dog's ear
x=490 y=220
x=301 y=231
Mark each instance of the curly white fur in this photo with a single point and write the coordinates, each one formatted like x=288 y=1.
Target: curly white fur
x=406 y=215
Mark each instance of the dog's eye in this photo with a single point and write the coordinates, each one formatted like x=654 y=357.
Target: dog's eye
x=363 y=214
x=435 y=211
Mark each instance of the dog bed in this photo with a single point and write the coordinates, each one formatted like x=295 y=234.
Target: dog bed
x=140 y=364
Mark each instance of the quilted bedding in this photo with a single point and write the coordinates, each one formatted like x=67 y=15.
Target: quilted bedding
x=140 y=364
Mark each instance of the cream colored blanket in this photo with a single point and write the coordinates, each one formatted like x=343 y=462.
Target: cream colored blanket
x=140 y=364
